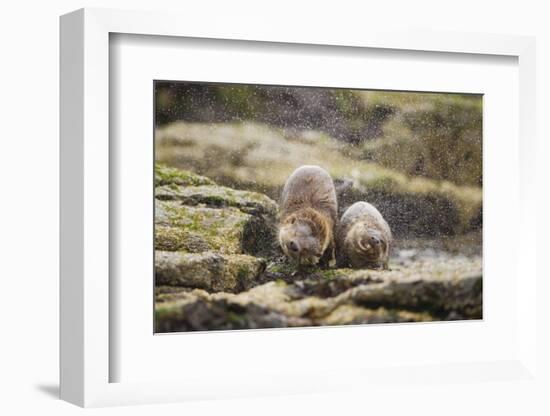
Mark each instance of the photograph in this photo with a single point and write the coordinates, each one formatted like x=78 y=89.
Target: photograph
x=281 y=206
x=247 y=208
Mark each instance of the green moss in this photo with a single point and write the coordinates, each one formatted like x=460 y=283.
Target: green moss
x=236 y=319
x=282 y=268
x=216 y=200
x=330 y=274
x=218 y=197
x=242 y=272
x=178 y=239
x=165 y=175
x=239 y=99
x=164 y=313
x=220 y=229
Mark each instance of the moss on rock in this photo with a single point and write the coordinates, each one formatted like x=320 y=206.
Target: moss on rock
x=413 y=205
x=221 y=230
x=178 y=239
x=219 y=197
x=204 y=280
x=227 y=230
x=348 y=297
x=165 y=175
x=208 y=270
x=193 y=214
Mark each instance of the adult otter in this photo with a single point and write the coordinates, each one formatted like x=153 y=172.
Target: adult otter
x=363 y=238
x=308 y=215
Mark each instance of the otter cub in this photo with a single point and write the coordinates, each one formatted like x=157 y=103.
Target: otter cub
x=363 y=238
x=308 y=215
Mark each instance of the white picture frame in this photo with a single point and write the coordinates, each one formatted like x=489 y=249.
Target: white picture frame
x=85 y=164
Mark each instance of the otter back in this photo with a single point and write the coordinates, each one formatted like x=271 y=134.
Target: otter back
x=309 y=187
x=308 y=215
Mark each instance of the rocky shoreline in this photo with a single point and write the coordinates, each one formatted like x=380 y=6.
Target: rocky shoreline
x=218 y=267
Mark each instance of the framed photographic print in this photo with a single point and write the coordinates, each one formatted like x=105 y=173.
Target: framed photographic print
x=280 y=206
x=268 y=213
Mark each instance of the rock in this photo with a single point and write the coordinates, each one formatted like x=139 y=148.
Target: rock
x=263 y=306
x=194 y=214
x=209 y=274
x=440 y=137
x=241 y=272
x=220 y=315
x=448 y=299
x=174 y=294
x=441 y=285
x=337 y=297
x=179 y=239
x=219 y=197
x=203 y=233
x=165 y=175
x=208 y=270
x=258 y=158
x=351 y=314
x=228 y=230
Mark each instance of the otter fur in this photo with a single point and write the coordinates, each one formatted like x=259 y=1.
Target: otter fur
x=308 y=216
x=363 y=238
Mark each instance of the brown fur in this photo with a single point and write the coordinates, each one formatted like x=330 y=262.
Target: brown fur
x=308 y=215
x=321 y=225
x=358 y=225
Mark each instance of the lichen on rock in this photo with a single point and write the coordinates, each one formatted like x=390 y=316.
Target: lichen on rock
x=217 y=266
x=221 y=230
x=165 y=175
x=219 y=197
x=179 y=239
x=209 y=270
x=347 y=297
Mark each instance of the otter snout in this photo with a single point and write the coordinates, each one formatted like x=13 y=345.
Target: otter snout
x=369 y=243
x=374 y=241
x=293 y=247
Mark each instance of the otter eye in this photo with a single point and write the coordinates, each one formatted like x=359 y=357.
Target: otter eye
x=293 y=220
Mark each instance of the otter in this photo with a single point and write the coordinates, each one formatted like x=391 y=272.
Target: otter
x=308 y=215
x=363 y=238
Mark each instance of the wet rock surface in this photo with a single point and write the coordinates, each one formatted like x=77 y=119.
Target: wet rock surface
x=218 y=268
x=210 y=217
x=208 y=270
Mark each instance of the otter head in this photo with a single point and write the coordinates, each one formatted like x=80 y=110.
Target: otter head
x=369 y=246
x=300 y=241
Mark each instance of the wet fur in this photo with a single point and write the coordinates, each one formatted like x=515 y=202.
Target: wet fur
x=309 y=197
x=322 y=229
x=355 y=225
